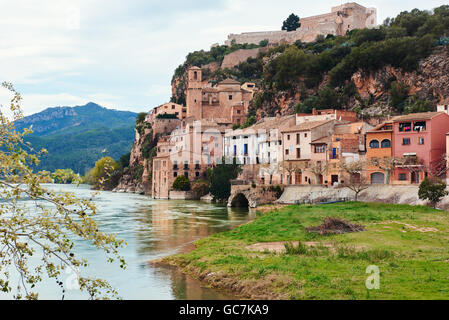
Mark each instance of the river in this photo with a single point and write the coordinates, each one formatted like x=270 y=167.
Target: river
x=152 y=229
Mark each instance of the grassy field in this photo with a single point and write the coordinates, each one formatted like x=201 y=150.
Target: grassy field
x=409 y=244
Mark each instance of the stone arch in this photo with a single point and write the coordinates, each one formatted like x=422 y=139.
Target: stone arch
x=239 y=200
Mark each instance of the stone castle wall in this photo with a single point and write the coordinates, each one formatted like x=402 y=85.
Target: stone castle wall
x=235 y=58
x=342 y=18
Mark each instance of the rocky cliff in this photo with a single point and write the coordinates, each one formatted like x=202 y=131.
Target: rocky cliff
x=137 y=178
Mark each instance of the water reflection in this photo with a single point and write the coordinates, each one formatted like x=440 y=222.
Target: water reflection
x=152 y=229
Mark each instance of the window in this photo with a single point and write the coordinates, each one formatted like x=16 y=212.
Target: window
x=297 y=138
x=175 y=174
x=173 y=106
x=419 y=126
x=186 y=174
x=386 y=143
x=230 y=97
x=420 y=140
x=195 y=76
x=288 y=137
x=238 y=111
x=298 y=153
x=405 y=141
x=402 y=176
x=197 y=174
x=374 y=144
x=286 y=152
x=405 y=126
x=305 y=135
x=320 y=148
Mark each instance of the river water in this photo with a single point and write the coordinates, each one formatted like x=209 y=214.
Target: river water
x=152 y=229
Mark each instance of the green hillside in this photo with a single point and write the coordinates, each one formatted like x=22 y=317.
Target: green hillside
x=76 y=137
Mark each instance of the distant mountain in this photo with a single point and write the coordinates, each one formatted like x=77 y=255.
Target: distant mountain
x=76 y=137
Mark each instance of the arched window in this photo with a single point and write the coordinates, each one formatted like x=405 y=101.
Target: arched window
x=374 y=144
x=195 y=75
x=386 y=143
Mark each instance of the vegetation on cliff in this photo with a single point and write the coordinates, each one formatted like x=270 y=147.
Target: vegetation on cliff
x=404 y=242
x=320 y=73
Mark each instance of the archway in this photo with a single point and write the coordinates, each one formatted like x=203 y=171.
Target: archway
x=240 y=200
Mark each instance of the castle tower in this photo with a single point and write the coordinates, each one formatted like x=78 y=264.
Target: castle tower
x=194 y=93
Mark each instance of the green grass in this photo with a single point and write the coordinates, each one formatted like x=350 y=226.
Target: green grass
x=413 y=264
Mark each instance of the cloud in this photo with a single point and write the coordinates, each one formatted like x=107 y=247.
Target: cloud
x=61 y=52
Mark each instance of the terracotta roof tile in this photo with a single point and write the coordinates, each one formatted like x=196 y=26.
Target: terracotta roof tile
x=417 y=116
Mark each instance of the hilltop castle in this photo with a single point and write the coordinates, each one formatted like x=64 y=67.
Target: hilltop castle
x=342 y=18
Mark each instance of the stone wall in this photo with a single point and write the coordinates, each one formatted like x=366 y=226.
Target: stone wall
x=342 y=18
x=164 y=125
x=181 y=195
x=378 y=193
x=235 y=58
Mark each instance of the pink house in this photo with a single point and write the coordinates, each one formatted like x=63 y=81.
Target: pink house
x=419 y=139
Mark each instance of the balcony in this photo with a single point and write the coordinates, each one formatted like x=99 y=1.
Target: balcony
x=197 y=167
x=175 y=167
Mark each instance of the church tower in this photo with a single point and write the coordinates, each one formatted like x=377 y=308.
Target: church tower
x=194 y=93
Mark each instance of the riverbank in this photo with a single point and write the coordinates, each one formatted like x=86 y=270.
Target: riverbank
x=407 y=243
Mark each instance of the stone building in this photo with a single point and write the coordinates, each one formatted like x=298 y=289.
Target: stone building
x=170 y=108
x=379 y=143
x=189 y=150
x=297 y=150
x=343 y=18
x=228 y=101
x=419 y=139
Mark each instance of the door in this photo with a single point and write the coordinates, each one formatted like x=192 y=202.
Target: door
x=377 y=178
x=334 y=179
x=298 y=178
x=414 y=177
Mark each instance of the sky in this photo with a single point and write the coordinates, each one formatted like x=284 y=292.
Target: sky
x=122 y=54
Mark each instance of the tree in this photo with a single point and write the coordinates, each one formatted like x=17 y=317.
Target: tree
x=220 y=179
x=356 y=182
x=292 y=23
x=65 y=176
x=45 y=228
x=318 y=168
x=292 y=167
x=387 y=165
x=181 y=183
x=432 y=189
x=104 y=176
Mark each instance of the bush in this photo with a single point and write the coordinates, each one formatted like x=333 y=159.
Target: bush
x=200 y=188
x=220 y=178
x=181 y=183
x=432 y=189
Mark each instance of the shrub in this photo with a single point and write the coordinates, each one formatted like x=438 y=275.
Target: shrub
x=432 y=189
x=200 y=188
x=181 y=183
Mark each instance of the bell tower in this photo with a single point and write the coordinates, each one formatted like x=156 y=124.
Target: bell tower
x=194 y=93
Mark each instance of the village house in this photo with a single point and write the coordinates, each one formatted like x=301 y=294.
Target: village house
x=297 y=149
x=228 y=101
x=189 y=150
x=443 y=108
x=169 y=108
x=347 y=144
x=419 y=139
x=379 y=153
x=258 y=148
x=326 y=114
